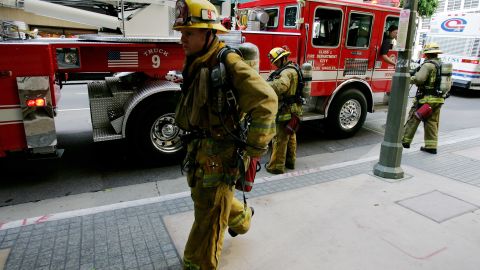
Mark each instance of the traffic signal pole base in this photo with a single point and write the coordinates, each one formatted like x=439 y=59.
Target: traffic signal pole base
x=389 y=162
x=388 y=172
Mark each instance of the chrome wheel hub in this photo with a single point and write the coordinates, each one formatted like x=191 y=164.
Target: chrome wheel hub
x=165 y=135
x=350 y=114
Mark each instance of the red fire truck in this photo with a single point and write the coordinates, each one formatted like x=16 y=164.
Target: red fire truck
x=339 y=39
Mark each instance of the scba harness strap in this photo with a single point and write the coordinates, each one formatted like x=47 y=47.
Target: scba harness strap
x=297 y=98
x=439 y=73
x=438 y=76
x=226 y=103
x=224 y=89
x=220 y=80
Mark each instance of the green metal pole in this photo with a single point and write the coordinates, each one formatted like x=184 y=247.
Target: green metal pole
x=390 y=159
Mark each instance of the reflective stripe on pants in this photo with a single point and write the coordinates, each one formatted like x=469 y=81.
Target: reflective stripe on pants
x=284 y=149
x=430 y=126
x=214 y=208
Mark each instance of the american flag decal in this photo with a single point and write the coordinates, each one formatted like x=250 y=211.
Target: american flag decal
x=122 y=59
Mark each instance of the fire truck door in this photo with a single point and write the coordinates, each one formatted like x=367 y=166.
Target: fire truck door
x=323 y=47
x=357 y=59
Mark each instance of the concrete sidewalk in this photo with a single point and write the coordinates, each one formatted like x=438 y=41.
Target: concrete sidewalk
x=332 y=217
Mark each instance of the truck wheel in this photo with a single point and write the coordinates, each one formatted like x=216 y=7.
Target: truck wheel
x=347 y=114
x=155 y=135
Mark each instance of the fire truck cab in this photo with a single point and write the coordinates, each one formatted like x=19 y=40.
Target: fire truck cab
x=340 y=39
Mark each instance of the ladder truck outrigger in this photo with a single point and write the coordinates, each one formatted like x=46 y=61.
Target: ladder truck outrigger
x=339 y=39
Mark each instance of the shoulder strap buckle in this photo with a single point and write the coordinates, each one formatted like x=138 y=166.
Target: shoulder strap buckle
x=230 y=97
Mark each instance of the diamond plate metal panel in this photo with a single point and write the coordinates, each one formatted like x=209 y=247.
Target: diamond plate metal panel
x=105 y=134
x=112 y=84
x=98 y=89
x=102 y=100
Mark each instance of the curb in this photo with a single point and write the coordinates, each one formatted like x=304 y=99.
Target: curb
x=105 y=208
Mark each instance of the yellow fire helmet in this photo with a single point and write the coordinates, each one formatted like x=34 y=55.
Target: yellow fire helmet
x=431 y=47
x=277 y=53
x=200 y=14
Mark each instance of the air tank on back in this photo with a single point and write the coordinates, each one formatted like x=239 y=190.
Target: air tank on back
x=446 y=79
x=307 y=78
x=250 y=55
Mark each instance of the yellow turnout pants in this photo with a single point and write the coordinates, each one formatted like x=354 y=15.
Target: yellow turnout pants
x=284 y=149
x=430 y=126
x=215 y=209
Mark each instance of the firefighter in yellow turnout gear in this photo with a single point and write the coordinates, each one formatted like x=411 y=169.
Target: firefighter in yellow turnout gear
x=214 y=162
x=284 y=81
x=425 y=79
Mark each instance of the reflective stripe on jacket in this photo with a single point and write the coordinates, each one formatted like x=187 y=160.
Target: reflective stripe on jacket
x=432 y=100
x=285 y=84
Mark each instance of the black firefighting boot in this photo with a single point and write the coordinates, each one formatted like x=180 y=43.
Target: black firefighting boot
x=273 y=171
x=231 y=232
x=405 y=145
x=428 y=150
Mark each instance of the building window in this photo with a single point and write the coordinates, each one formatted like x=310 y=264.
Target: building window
x=426 y=22
x=468 y=4
x=453 y=5
x=441 y=6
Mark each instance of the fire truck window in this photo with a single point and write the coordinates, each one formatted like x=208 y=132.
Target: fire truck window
x=272 y=17
x=359 y=30
x=326 y=27
x=390 y=21
x=290 y=16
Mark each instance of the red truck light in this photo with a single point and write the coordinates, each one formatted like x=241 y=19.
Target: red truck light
x=470 y=61
x=37 y=102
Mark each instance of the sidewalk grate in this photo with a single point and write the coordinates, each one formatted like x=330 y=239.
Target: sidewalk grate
x=438 y=206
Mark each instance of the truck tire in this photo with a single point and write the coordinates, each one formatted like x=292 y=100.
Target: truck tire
x=153 y=134
x=347 y=114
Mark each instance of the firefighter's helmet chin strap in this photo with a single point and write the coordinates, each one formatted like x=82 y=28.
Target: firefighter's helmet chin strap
x=283 y=61
x=208 y=42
